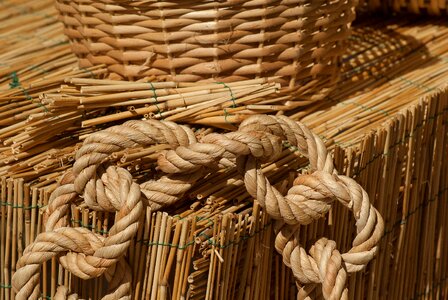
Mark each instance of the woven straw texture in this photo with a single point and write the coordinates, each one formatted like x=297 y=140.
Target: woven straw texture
x=298 y=41
x=216 y=243
x=431 y=7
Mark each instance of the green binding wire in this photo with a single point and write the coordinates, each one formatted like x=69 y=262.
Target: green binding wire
x=15 y=83
x=5 y=286
x=232 y=96
x=21 y=206
x=156 y=103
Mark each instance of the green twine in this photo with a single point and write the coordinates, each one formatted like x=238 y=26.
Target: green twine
x=40 y=69
x=15 y=83
x=88 y=226
x=414 y=211
x=21 y=206
x=414 y=84
x=180 y=247
x=242 y=238
x=5 y=286
x=399 y=142
x=156 y=102
x=226 y=114
x=14 y=80
x=208 y=239
x=232 y=97
x=87 y=71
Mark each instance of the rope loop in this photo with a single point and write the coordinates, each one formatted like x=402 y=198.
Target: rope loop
x=259 y=139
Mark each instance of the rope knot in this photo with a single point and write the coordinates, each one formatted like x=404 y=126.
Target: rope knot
x=81 y=251
x=105 y=187
x=323 y=266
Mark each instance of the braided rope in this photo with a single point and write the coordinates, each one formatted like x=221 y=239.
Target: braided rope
x=259 y=139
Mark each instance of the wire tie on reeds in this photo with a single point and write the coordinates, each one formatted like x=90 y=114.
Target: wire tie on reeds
x=443 y=58
x=408 y=81
x=87 y=71
x=226 y=114
x=15 y=83
x=38 y=68
x=177 y=246
x=156 y=103
x=399 y=142
x=88 y=226
x=232 y=96
x=363 y=107
x=181 y=95
x=14 y=80
x=243 y=238
x=5 y=286
x=412 y=212
x=21 y=206
x=210 y=221
x=44 y=108
x=416 y=84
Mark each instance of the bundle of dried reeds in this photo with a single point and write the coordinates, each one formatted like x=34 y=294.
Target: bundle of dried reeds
x=206 y=233
x=192 y=103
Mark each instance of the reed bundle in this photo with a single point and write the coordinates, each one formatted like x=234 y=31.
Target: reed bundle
x=32 y=44
x=216 y=224
x=189 y=103
x=217 y=243
x=35 y=57
x=28 y=127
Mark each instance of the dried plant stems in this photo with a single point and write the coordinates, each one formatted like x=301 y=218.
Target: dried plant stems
x=377 y=127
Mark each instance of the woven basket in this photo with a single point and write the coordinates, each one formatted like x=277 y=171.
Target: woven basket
x=299 y=42
x=431 y=7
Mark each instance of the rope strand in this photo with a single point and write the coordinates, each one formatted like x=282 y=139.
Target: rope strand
x=260 y=138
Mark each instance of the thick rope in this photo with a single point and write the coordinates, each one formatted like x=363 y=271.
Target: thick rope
x=259 y=139
x=80 y=251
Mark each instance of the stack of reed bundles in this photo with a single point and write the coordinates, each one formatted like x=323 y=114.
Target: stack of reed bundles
x=388 y=121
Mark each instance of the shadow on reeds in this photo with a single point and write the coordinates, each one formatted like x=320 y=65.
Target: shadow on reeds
x=381 y=50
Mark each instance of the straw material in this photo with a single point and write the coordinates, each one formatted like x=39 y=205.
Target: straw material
x=301 y=42
x=218 y=244
x=171 y=101
x=109 y=188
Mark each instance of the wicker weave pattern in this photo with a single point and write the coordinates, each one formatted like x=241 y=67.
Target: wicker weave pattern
x=186 y=41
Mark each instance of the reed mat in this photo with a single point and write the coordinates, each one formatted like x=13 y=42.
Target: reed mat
x=386 y=123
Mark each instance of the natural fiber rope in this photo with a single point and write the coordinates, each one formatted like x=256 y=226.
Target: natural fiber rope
x=259 y=139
